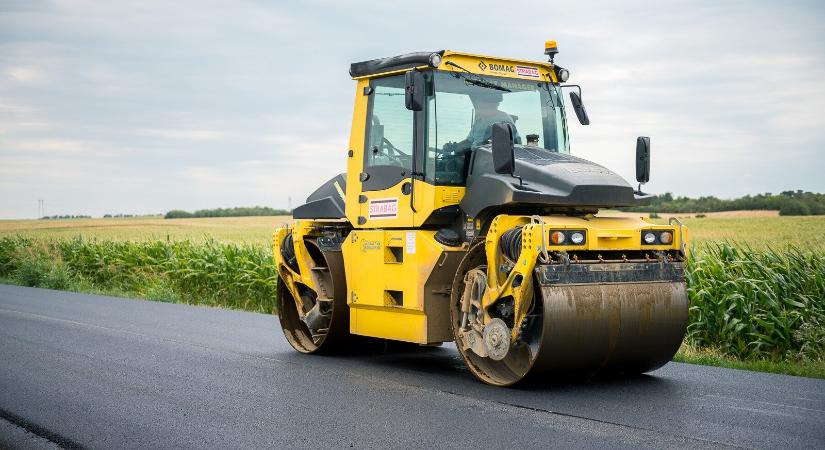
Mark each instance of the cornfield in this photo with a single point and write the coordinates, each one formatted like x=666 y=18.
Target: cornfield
x=745 y=303
x=757 y=304
x=208 y=273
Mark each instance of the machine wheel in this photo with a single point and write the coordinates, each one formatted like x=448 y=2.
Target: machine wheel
x=571 y=330
x=332 y=311
x=494 y=369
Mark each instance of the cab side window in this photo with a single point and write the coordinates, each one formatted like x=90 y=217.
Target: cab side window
x=390 y=123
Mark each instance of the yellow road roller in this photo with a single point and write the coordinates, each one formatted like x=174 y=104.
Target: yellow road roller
x=462 y=216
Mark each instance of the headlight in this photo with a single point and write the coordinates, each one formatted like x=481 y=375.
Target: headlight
x=657 y=237
x=563 y=75
x=577 y=237
x=568 y=237
x=435 y=60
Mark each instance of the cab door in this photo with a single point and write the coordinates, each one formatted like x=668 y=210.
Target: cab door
x=387 y=175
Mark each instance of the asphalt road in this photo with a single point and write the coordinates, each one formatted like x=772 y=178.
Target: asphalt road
x=99 y=372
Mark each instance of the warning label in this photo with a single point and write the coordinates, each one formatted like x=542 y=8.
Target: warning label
x=410 y=242
x=383 y=208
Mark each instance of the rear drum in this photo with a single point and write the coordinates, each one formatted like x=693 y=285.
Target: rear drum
x=297 y=332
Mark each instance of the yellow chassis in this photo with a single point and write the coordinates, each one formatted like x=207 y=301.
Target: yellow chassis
x=399 y=280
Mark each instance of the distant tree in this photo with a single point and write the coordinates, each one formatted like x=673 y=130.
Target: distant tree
x=65 y=216
x=787 y=203
x=227 y=212
x=177 y=214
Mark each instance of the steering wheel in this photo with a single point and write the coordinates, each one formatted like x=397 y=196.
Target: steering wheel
x=383 y=147
x=386 y=149
x=393 y=154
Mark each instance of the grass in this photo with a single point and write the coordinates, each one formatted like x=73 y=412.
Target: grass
x=709 y=357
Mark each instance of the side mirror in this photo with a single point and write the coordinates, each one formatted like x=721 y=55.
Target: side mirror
x=414 y=90
x=642 y=159
x=578 y=107
x=504 y=160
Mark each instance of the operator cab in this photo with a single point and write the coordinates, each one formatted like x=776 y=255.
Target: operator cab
x=460 y=109
x=409 y=166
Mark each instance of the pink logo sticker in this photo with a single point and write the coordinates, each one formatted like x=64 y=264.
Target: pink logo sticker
x=384 y=208
x=525 y=71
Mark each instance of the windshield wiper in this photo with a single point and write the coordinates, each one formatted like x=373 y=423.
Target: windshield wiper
x=550 y=98
x=476 y=80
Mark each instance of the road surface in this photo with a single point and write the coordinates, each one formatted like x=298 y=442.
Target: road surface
x=88 y=371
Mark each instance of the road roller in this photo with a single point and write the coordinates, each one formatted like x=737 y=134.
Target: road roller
x=463 y=217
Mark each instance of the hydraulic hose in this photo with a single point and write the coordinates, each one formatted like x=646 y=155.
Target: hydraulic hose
x=511 y=243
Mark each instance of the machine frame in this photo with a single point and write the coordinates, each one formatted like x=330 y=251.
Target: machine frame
x=398 y=275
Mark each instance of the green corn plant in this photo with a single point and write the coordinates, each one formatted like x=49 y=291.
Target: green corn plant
x=757 y=304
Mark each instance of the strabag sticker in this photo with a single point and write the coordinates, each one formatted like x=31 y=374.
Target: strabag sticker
x=383 y=208
x=410 y=241
x=525 y=71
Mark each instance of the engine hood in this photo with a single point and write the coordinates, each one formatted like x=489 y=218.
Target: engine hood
x=549 y=180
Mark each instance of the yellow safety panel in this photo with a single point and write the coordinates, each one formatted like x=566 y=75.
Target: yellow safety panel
x=355 y=153
x=399 y=325
x=387 y=271
x=500 y=67
x=427 y=199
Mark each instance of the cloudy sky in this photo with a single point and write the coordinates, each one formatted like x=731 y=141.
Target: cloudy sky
x=147 y=106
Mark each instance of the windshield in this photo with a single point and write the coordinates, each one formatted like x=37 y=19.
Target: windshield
x=465 y=106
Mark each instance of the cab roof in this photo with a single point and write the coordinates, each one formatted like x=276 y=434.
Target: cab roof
x=473 y=63
x=391 y=63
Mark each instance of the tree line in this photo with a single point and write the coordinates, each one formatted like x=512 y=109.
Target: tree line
x=128 y=216
x=788 y=203
x=65 y=216
x=228 y=212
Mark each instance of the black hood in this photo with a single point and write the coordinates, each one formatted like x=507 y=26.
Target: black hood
x=550 y=180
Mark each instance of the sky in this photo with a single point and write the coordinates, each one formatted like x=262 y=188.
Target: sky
x=146 y=106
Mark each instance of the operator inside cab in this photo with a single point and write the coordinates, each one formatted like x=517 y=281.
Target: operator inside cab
x=485 y=105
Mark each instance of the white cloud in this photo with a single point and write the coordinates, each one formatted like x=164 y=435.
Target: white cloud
x=24 y=74
x=192 y=135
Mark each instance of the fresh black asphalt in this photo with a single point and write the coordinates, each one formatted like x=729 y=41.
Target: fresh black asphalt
x=89 y=371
